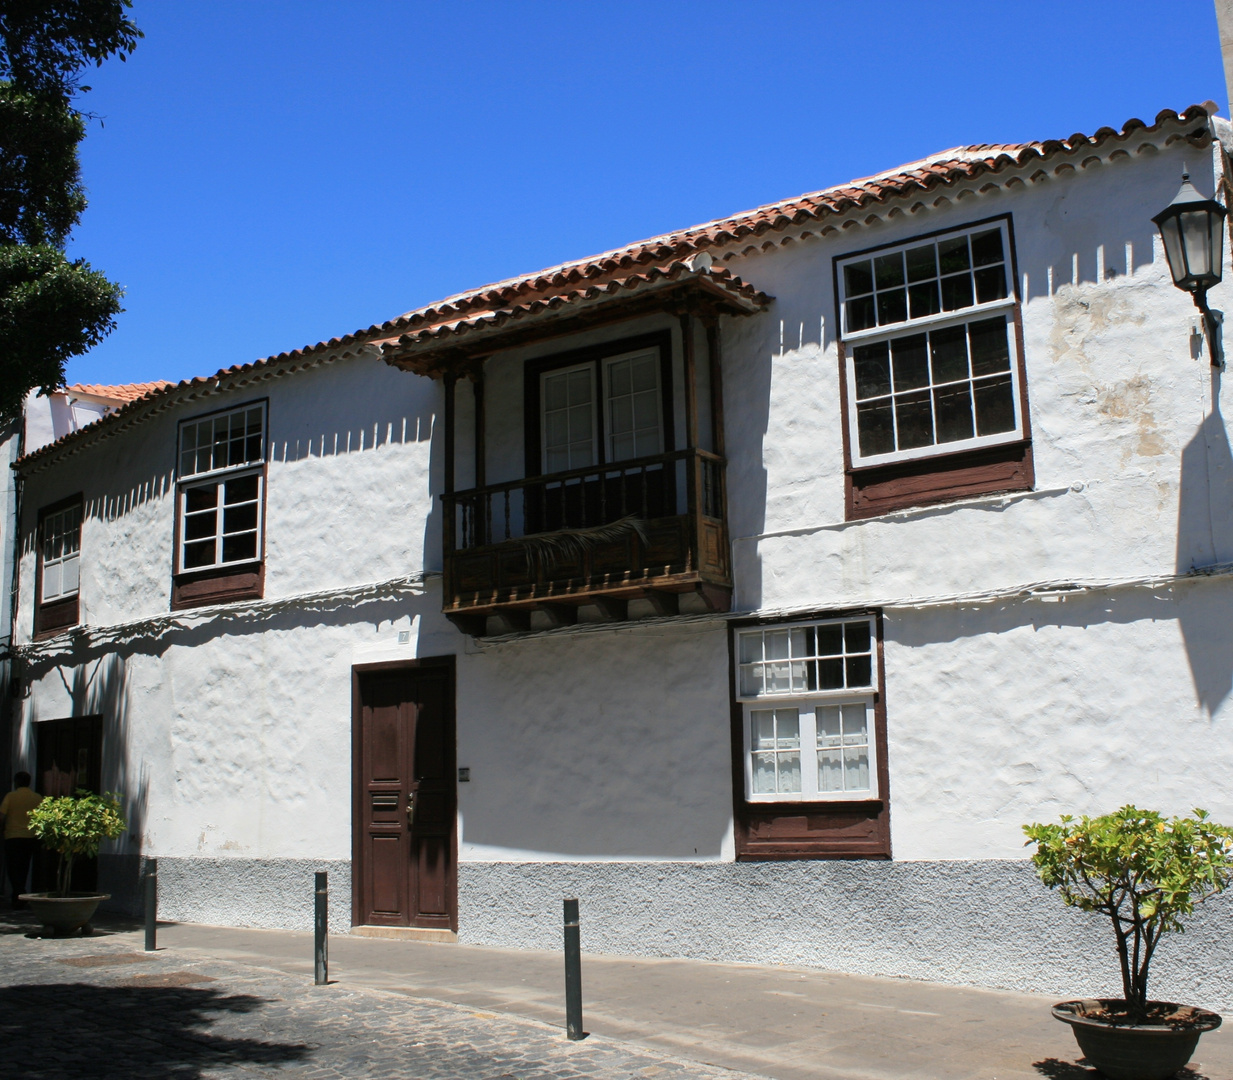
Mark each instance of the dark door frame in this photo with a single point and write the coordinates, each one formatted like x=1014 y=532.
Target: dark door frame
x=357 y=764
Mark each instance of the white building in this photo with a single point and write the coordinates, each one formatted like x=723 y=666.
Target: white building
x=754 y=583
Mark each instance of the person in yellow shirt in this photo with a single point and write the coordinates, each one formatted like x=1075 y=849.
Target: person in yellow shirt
x=20 y=844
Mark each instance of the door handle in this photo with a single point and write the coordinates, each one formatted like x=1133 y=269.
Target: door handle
x=410 y=809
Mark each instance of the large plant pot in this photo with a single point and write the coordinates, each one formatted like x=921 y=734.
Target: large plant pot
x=64 y=914
x=1124 y=1051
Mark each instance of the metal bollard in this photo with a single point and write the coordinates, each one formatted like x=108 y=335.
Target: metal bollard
x=573 y=972
x=151 y=891
x=321 y=964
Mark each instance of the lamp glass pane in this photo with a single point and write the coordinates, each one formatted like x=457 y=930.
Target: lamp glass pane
x=1196 y=239
x=1170 y=233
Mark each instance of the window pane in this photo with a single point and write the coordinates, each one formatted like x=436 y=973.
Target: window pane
x=830 y=640
x=554 y=392
x=764 y=774
x=618 y=378
x=621 y=414
x=914 y=418
x=875 y=427
x=53 y=576
x=762 y=729
x=923 y=299
x=956 y=292
x=646 y=410
x=922 y=262
x=778 y=678
x=624 y=447
x=830 y=770
x=855 y=769
x=644 y=377
x=71 y=567
x=911 y=362
x=990 y=284
x=872 y=364
x=197 y=526
x=953 y=254
x=952 y=405
x=579 y=387
x=800 y=641
x=243 y=489
x=856 y=635
x=201 y=498
x=790 y=773
x=987 y=247
x=751 y=646
x=860 y=314
x=830 y=732
x=240 y=547
x=995 y=406
x=857 y=279
x=751 y=680
x=830 y=674
x=888 y=270
x=860 y=671
x=855 y=725
x=776 y=644
x=199 y=554
x=949 y=349
x=787 y=729
x=240 y=518
x=892 y=306
x=990 y=351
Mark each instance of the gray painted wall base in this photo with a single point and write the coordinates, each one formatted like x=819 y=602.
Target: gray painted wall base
x=270 y=894
x=988 y=923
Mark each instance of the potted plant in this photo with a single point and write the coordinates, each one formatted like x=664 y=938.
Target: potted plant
x=72 y=826
x=1145 y=872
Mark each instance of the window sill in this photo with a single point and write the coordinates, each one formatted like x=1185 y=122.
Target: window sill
x=880 y=489
x=218 y=585
x=55 y=618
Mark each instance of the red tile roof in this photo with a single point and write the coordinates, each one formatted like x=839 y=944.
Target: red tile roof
x=125 y=392
x=639 y=264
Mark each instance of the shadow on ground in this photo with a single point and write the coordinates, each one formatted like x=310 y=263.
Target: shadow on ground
x=64 y=1031
x=1057 y=1069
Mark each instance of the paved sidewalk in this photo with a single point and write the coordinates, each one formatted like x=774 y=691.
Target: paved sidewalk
x=95 y=1009
x=780 y=1022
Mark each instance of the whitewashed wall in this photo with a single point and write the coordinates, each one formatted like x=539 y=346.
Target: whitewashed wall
x=592 y=750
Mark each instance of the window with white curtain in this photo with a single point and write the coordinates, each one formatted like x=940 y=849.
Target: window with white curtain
x=61 y=554
x=807 y=694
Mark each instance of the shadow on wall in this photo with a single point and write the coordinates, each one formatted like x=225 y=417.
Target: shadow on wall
x=175 y=1025
x=1205 y=538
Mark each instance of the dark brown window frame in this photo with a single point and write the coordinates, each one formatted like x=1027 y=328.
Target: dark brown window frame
x=235 y=581
x=943 y=477
x=777 y=831
x=59 y=615
x=594 y=354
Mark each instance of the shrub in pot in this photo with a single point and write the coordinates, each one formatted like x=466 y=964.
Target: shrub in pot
x=1145 y=872
x=72 y=826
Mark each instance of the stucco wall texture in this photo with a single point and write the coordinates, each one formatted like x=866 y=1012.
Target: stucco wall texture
x=600 y=759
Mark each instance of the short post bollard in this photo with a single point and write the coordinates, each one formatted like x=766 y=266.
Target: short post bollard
x=573 y=972
x=151 y=896
x=321 y=965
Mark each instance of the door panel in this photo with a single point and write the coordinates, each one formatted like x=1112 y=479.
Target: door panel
x=405 y=805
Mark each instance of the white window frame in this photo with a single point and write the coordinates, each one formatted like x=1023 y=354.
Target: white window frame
x=654 y=352
x=589 y=367
x=219 y=477
x=66 y=557
x=1005 y=306
x=805 y=703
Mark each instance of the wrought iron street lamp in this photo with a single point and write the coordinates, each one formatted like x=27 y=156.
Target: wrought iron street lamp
x=1192 y=229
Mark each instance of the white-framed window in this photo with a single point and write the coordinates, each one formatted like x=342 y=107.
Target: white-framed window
x=930 y=349
x=221 y=477
x=808 y=693
x=635 y=419
x=567 y=419
x=61 y=555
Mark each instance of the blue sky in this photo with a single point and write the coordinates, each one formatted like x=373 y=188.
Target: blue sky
x=267 y=173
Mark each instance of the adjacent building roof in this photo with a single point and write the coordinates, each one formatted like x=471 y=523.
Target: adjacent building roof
x=943 y=177
x=122 y=394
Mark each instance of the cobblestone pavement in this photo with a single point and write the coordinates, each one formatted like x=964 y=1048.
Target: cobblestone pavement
x=92 y=1008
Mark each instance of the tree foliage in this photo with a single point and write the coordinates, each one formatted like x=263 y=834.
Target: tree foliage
x=51 y=308
x=75 y=825
x=44 y=44
x=1143 y=870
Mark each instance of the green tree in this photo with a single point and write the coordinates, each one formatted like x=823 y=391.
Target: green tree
x=51 y=307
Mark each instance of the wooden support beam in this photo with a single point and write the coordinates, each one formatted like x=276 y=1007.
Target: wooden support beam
x=691 y=381
x=610 y=608
x=514 y=621
x=559 y=614
x=716 y=597
x=450 y=386
x=664 y=603
x=472 y=625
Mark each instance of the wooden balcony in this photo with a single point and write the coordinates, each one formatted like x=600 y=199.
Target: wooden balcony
x=651 y=529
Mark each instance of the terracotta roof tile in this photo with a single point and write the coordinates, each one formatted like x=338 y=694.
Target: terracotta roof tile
x=637 y=265
x=125 y=392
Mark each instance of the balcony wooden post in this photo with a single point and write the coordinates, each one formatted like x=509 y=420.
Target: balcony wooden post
x=448 y=539
x=450 y=385
x=717 y=384
x=692 y=464
x=480 y=452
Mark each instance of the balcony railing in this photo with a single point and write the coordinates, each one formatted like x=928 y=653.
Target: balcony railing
x=650 y=524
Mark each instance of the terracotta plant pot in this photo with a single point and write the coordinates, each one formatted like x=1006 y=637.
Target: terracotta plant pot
x=64 y=914
x=1124 y=1051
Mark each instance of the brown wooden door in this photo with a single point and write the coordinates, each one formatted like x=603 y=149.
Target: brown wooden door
x=405 y=866
x=69 y=757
